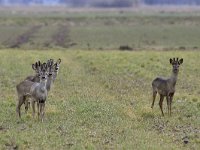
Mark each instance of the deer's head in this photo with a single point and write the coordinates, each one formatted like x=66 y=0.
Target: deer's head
x=36 y=67
x=57 y=65
x=43 y=72
x=175 y=62
x=50 y=67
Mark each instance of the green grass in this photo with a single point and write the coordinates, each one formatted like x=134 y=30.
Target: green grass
x=103 y=30
x=101 y=100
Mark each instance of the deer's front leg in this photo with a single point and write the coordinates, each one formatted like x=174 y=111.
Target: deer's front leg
x=42 y=111
x=33 y=107
x=154 y=97
x=38 y=109
x=161 y=103
x=170 y=104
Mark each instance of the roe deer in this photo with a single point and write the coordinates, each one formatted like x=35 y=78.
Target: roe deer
x=33 y=78
x=50 y=74
x=56 y=69
x=166 y=87
x=37 y=92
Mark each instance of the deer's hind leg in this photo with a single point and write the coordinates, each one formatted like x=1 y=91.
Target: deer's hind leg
x=33 y=107
x=154 y=97
x=38 y=109
x=26 y=104
x=21 y=99
x=161 y=103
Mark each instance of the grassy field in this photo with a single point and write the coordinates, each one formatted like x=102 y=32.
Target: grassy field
x=101 y=100
x=102 y=96
x=99 y=30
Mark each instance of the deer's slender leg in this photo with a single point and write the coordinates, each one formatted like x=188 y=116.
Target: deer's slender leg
x=33 y=107
x=20 y=102
x=38 y=109
x=42 y=111
x=41 y=105
x=168 y=103
x=154 y=97
x=29 y=104
x=171 y=98
x=26 y=105
x=160 y=103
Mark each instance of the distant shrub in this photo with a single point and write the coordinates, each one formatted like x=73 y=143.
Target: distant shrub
x=125 y=47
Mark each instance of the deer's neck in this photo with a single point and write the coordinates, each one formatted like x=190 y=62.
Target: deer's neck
x=173 y=79
x=43 y=85
x=49 y=81
x=54 y=76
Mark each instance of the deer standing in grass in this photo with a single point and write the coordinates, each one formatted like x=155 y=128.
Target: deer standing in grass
x=53 y=69
x=166 y=87
x=52 y=74
x=37 y=92
x=33 y=78
x=56 y=68
x=50 y=69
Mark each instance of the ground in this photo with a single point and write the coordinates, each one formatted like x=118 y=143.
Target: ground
x=102 y=100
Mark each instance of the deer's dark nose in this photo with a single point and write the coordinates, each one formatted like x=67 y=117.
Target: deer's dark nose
x=175 y=70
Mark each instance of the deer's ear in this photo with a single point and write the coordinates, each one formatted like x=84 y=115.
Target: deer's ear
x=180 y=61
x=45 y=65
x=39 y=63
x=48 y=63
x=170 y=60
x=59 y=61
x=51 y=62
x=33 y=67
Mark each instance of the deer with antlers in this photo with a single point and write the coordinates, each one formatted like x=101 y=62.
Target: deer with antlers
x=35 y=90
x=166 y=87
x=52 y=69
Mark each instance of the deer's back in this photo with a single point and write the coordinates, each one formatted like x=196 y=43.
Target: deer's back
x=23 y=88
x=33 y=78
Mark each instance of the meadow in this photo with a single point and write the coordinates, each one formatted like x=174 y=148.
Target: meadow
x=102 y=96
x=101 y=100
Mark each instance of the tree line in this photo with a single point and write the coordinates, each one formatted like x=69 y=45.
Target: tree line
x=99 y=3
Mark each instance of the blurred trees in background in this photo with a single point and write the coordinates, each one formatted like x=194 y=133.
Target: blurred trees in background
x=99 y=3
